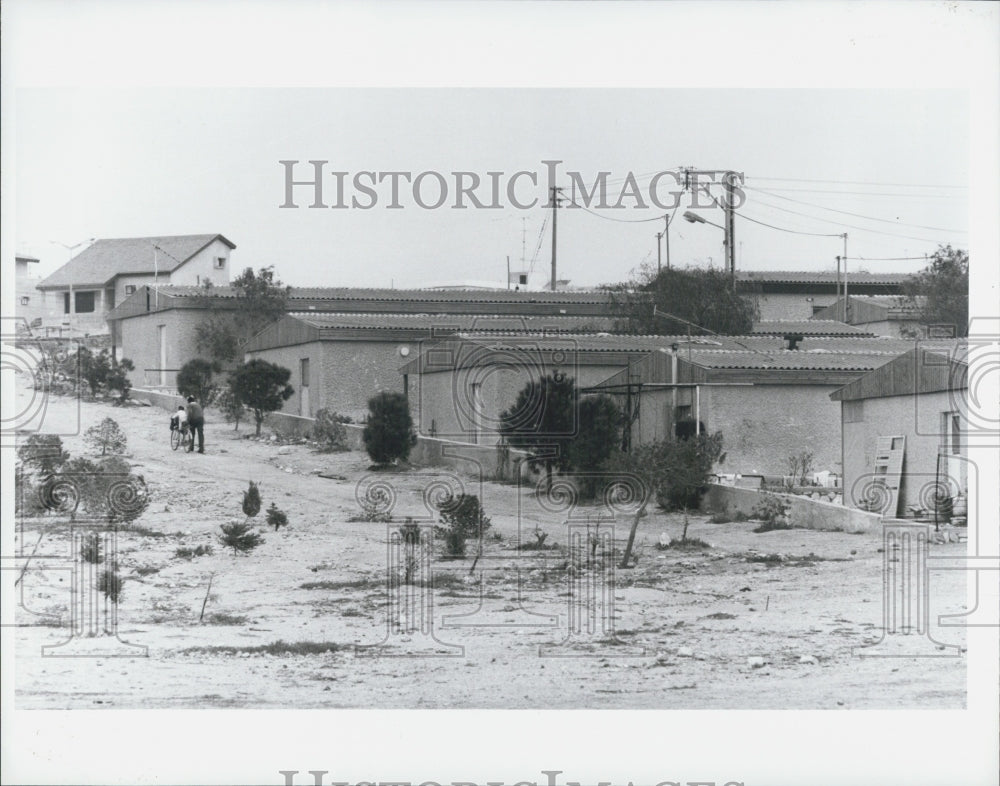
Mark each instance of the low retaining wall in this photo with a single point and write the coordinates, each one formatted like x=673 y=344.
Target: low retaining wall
x=803 y=511
x=167 y=401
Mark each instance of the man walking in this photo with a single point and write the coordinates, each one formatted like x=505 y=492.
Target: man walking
x=196 y=423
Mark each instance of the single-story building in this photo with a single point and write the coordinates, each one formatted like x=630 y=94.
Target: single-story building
x=81 y=294
x=883 y=315
x=793 y=294
x=155 y=329
x=769 y=401
x=915 y=404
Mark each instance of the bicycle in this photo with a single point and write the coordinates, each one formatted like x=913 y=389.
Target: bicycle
x=181 y=437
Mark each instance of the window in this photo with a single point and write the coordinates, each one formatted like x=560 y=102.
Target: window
x=25 y=300
x=522 y=278
x=130 y=289
x=65 y=302
x=84 y=302
x=220 y=263
x=304 y=372
x=817 y=309
x=952 y=433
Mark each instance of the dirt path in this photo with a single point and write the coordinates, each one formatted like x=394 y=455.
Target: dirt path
x=719 y=627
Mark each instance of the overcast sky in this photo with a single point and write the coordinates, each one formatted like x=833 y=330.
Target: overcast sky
x=156 y=161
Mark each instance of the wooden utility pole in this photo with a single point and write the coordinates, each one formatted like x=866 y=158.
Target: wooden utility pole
x=658 y=261
x=730 y=211
x=666 y=239
x=847 y=307
x=555 y=207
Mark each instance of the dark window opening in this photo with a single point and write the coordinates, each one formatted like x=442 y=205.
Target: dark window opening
x=84 y=302
x=522 y=279
x=65 y=302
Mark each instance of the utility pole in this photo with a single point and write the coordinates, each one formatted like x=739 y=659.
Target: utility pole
x=666 y=238
x=555 y=208
x=730 y=211
x=508 y=271
x=658 y=236
x=847 y=309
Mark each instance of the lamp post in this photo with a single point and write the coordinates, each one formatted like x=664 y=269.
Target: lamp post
x=694 y=218
x=72 y=306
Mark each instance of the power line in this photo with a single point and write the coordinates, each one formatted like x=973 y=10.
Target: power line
x=791 y=231
x=856 y=215
x=534 y=258
x=620 y=220
x=871 y=193
x=856 y=182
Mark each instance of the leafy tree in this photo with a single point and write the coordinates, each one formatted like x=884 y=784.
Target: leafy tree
x=543 y=421
x=597 y=439
x=679 y=470
x=196 y=378
x=260 y=300
x=262 y=387
x=941 y=290
x=111 y=584
x=703 y=298
x=389 y=434
x=107 y=436
x=102 y=374
x=105 y=489
x=43 y=452
x=232 y=408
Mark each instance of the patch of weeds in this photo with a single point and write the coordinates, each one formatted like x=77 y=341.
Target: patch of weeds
x=720 y=518
x=111 y=584
x=766 y=559
x=146 y=570
x=356 y=584
x=739 y=515
x=222 y=618
x=183 y=552
x=144 y=532
x=772 y=513
x=274 y=648
x=720 y=615
x=684 y=544
x=539 y=543
x=352 y=612
x=771 y=526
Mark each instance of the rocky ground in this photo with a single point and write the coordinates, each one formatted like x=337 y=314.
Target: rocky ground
x=752 y=620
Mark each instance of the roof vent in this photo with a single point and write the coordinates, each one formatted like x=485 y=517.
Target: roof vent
x=793 y=340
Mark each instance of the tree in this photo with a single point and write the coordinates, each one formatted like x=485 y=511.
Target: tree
x=44 y=452
x=678 y=470
x=107 y=436
x=232 y=408
x=597 y=438
x=276 y=517
x=704 y=298
x=260 y=300
x=542 y=421
x=389 y=434
x=102 y=374
x=262 y=387
x=251 y=501
x=195 y=378
x=941 y=290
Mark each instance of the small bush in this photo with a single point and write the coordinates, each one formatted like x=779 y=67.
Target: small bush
x=43 y=453
x=276 y=518
x=240 y=537
x=111 y=584
x=463 y=518
x=329 y=431
x=454 y=542
x=90 y=550
x=389 y=434
x=183 y=552
x=539 y=544
x=719 y=518
x=739 y=515
x=772 y=513
x=373 y=511
x=106 y=437
x=251 y=501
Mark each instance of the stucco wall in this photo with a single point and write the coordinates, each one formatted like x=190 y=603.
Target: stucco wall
x=202 y=266
x=761 y=425
x=918 y=418
x=140 y=344
x=803 y=512
x=791 y=306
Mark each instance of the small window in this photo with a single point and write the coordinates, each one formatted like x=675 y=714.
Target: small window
x=130 y=289
x=522 y=278
x=220 y=263
x=84 y=302
x=817 y=309
x=25 y=300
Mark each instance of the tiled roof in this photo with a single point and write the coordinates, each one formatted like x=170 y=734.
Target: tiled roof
x=785 y=359
x=415 y=295
x=110 y=257
x=806 y=327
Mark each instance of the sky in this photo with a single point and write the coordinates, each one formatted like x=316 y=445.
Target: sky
x=122 y=162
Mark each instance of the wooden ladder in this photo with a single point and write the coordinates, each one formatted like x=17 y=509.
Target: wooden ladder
x=889 y=469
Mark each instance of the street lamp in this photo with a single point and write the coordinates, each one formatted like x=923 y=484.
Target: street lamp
x=72 y=305
x=694 y=218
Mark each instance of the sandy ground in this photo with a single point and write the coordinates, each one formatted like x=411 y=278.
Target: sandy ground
x=709 y=628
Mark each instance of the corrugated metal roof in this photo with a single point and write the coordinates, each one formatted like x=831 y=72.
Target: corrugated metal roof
x=110 y=257
x=822 y=277
x=806 y=327
x=419 y=295
x=455 y=322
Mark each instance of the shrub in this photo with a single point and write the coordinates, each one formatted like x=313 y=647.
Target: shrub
x=389 y=434
x=463 y=518
x=183 y=552
x=678 y=470
x=251 y=501
x=276 y=518
x=599 y=428
x=107 y=437
x=772 y=512
x=111 y=584
x=90 y=550
x=329 y=431
x=262 y=387
x=231 y=407
x=240 y=537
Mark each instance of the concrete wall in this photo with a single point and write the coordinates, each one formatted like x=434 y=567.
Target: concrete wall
x=791 y=306
x=344 y=374
x=803 y=512
x=443 y=403
x=919 y=419
x=201 y=266
x=140 y=344
x=761 y=425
